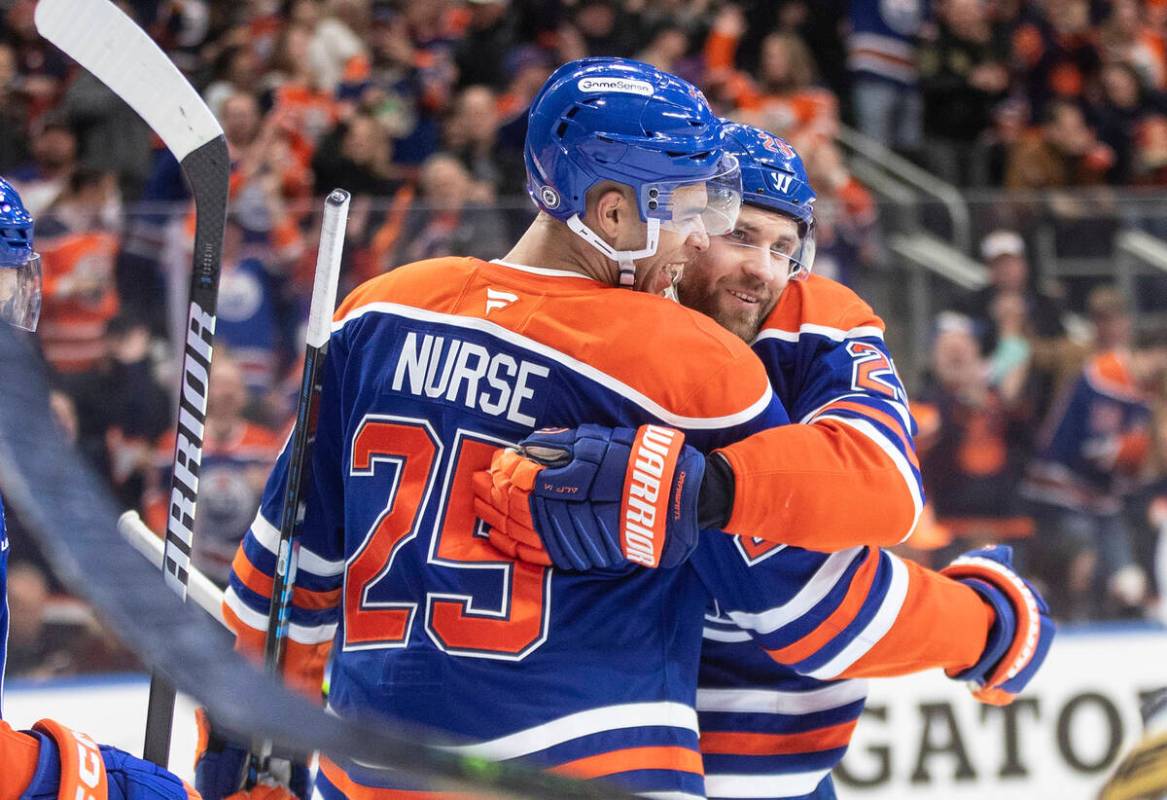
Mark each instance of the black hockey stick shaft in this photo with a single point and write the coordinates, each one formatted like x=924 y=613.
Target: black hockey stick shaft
x=109 y=44
x=300 y=448
x=207 y=169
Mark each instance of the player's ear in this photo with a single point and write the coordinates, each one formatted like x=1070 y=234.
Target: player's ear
x=610 y=209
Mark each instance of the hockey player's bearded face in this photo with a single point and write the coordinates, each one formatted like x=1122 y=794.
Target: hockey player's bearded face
x=738 y=280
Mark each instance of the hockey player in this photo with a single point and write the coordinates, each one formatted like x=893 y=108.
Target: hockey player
x=434 y=365
x=771 y=726
x=51 y=761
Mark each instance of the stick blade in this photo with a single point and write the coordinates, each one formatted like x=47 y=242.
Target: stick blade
x=98 y=36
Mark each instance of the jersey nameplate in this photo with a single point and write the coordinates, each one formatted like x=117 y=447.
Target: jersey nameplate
x=497 y=384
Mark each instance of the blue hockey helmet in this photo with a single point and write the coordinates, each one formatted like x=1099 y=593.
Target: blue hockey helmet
x=774 y=179
x=615 y=119
x=20 y=265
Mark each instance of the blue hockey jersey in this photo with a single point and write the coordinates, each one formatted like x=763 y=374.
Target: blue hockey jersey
x=430 y=368
x=1096 y=439
x=780 y=689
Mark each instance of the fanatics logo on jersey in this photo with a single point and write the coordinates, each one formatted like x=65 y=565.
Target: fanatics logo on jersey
x=497 y=299
x=617 y=85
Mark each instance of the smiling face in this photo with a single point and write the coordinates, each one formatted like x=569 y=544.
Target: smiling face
x=738 y=279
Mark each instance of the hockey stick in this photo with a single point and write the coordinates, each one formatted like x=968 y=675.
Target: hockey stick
x=299 y=455
x=68 y=511
x=201 y=589
x=99 y=37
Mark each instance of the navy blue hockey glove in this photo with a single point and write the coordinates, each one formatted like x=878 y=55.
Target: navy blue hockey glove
x=70 y=764
x=221 y=765
x=594 y=497
x=1022 y=633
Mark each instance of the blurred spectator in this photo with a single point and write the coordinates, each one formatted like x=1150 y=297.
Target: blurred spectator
x=885 y=82
x=1019 y=321
x=785 y=99
x=35 y=648
x=667 y=48
x=491 y=34
x=120 y=408
x=963 y=74
x=335 y=51
x=1003 y=252
x=302 y=107
x=356 y=156
x=237 y=457
x=1055 y=48
x=1093 y=447
x=78 y=243
x=605 y=29
x=846 y=239
x=1126 y=38
x=111 y=136
x=1124 y=108
x=42 y=67
x=14 y=111
x=448 y=219
x=255 y=321
x=54 y=151
x=528 y=67
x=974 y=441
x=238 y=71
x=472 y=137
x=1063 y=151
x=989 y=157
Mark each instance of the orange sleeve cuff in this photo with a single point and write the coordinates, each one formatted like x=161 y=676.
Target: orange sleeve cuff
x=942 y=623
x=822 y=487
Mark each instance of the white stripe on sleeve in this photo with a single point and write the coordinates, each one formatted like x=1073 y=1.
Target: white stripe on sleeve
x=880 y=624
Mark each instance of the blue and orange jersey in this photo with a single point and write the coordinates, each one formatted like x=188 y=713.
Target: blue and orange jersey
x=1095 y=441
x=233 y=474
x=824 y=351
x=882 y=39
x=250 y=322
x=784 y=655
x=430 y=368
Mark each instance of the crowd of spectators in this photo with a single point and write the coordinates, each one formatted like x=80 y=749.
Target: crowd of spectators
x=418 y=108
x=1046 y=431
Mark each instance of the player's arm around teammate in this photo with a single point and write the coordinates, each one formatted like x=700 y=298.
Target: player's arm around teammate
x=847 y=477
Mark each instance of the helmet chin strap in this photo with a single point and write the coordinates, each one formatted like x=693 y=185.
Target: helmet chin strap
x=625 y=259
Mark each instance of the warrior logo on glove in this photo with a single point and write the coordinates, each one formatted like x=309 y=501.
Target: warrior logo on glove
x=643 y=510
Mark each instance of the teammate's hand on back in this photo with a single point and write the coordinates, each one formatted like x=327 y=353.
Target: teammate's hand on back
x=594 y=497
x=220 y=767
x=1022 y=633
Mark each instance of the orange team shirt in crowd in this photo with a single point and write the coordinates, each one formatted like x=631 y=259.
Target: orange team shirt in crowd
x=80 y=298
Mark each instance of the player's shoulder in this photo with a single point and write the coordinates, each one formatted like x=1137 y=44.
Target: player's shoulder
x=434 y=283
x=822 y=307
x=677 y=357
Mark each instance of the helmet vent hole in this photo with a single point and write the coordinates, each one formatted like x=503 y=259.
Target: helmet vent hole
x=561 y=130
x=571 y=112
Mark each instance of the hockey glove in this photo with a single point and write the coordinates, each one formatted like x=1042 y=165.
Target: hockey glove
x=594 y=497
x=221 y=765
x=1021 y=634
x=70 y=764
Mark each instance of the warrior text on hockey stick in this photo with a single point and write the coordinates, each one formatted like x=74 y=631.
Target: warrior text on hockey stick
x=98 y=36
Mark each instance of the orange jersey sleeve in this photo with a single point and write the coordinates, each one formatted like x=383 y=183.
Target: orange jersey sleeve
x=848 y=473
